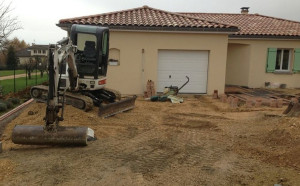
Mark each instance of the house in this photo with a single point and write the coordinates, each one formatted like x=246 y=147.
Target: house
x=31 y=53
x=213 y=49
x=23 y=56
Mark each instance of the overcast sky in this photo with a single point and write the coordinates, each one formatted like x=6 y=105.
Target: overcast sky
x=39 y=18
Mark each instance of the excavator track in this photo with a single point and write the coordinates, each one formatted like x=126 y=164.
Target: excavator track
x=115 y=92
x=77 y=100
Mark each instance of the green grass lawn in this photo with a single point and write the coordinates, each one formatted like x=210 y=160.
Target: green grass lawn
x=10 y=72
x=8 y=85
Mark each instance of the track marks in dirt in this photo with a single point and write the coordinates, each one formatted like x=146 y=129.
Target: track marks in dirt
x=193 y=143
x=199 y=115
x=188 y=122
x=279 y=137
x=7 y=168
x=206 y=103
x=194 y=124
x=276 y=144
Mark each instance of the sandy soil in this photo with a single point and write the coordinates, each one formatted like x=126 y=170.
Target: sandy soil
x=199 y=142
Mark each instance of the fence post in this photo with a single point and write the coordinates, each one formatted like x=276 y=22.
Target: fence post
x=14 y=77
x=36 y=72
x=26 y=74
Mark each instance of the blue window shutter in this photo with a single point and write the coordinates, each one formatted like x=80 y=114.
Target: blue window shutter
x=296 y=67
x=271 y=60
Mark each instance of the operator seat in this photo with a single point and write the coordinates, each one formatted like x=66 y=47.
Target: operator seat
x=89 y=51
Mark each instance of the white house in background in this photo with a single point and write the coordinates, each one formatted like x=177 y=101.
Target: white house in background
x=29 y=53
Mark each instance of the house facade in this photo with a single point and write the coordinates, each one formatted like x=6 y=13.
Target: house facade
x=265 y=50
x=211 y=49
x=30 y=54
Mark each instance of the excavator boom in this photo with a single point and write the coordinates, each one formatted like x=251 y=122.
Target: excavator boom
x=51 y=133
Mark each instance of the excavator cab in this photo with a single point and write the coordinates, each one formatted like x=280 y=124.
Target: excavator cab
x=92 y=50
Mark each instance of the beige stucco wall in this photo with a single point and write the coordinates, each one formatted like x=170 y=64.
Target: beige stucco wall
x=128 y=77
x=258 y=59
x=238 y=64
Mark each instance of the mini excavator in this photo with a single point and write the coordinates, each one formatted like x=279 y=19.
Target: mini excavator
x=77 y=68
x=88 y=70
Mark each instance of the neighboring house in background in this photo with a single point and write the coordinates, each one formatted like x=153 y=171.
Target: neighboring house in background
x=23 y=56
x=31 y=53
x=212 y=49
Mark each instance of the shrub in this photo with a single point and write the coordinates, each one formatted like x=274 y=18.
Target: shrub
x=9 y=104
x=14 y=100
x=3 y=107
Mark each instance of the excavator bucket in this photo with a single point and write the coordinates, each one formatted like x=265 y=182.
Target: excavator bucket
x=116 y=107
x=63 y=136
x=293 y=110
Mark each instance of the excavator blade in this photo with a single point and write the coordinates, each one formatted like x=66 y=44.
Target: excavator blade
x=36 y=135
x=293 y=110
x=117 y=107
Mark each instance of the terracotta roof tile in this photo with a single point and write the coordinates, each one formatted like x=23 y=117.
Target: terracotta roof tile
x=254 y=24
x=146 y=17
x=149 y=17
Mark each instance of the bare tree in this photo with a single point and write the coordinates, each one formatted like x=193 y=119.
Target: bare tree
x=8 y=23
x=29 y=65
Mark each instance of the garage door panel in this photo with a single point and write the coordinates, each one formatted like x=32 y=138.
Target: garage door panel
x=173 y=66
x=187 y=68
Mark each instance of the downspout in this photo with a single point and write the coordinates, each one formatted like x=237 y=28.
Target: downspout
x=143 y=71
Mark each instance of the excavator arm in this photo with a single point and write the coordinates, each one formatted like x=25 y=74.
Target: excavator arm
x=52 y=133
x=62 y=52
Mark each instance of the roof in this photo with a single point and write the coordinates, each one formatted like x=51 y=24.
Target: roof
x=254 y=25
x=38 y=47
x=147 y=18
x=23 y=53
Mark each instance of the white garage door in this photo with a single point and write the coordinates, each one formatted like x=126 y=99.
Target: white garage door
x=174 y=65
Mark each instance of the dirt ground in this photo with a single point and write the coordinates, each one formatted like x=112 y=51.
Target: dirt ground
x=199 y=142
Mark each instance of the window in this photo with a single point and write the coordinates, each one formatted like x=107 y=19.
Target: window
x=34 y=51
x=283 y=60
x=114 y=57
x=82 y=38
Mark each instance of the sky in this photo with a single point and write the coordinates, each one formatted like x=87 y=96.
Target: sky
x=39 y=18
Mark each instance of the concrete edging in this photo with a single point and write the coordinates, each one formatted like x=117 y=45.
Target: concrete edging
x=9 y=116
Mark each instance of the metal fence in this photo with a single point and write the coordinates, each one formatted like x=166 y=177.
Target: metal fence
x=21 y=77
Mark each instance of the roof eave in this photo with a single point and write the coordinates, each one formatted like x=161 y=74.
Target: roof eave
x=67 y=26
x=235 y=36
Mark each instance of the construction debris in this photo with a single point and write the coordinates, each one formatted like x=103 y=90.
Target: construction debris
x=170 y=93
x=175 y=99
x=293 y=110
x=215 y=95
x=150 y=89
x=237 y=96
